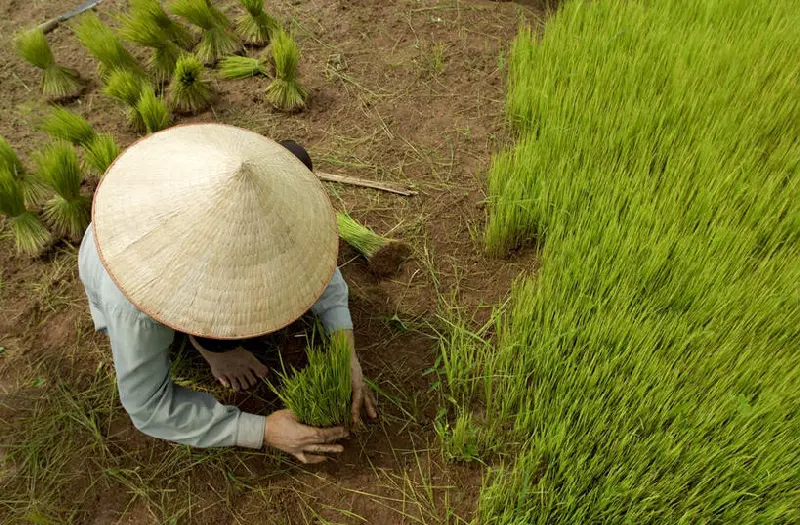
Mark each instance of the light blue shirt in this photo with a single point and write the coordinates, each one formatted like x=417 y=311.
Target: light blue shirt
x=140 y=346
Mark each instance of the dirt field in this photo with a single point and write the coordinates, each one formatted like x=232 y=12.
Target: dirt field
x=407 y=91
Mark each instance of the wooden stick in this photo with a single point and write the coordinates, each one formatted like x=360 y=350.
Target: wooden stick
x=364 y=183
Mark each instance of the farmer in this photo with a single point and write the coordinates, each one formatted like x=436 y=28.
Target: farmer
x=224 y=235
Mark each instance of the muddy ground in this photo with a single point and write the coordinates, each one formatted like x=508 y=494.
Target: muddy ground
x=409 y=91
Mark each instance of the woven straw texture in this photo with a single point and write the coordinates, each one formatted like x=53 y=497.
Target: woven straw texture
x=215 y=231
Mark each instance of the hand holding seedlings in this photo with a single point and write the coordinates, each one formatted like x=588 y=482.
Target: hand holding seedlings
x=308 y=444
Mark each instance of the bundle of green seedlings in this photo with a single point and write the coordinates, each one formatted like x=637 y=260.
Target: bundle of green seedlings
x=100 y=148
x=319 y=394
x=237 y=67
x=68 y=211
x=153 y=110
x=101 y=152
x=30 y=235
x=127 y=87
x=285 y=92
x=385 y=256
x=648 y=372
x=34 y=190
x=190 y=91
x=105 y=46
x=57 y=81
x=216 y=41
x=256 y=26
x=147 y=24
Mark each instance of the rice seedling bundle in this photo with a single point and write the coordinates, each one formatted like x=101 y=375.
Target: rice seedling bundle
x=190 y=90
x=105 y=46
x=142 y=27
x=236 y=68
x=319 y=394
x=101 y=152
x=33 y=188
x=216 y=41
x=153 y=110
x=30 y=235
x=256 y=26
x=385 y=256
x=57 y=81
x=648 y=371
x=62 y=123
x=68 y=210
x=127 y=87
x=154 y=13
x=285 y=92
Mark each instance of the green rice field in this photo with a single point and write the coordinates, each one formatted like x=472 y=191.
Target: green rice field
x=649 y=372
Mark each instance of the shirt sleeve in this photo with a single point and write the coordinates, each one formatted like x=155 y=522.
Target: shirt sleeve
x=161 y=409
x=332 y=309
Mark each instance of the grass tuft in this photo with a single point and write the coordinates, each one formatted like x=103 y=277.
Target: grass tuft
x=385 y=256
x=57 y=81
x=190 y=90
x=285 y=92
x=153 y=110
x=319 y=395
x=101 y=153
x=62 y=123
x=215 y=41
x=105 y=46
x=256 y=26
x=30 y=235
x=236 y=68
x=68 y=210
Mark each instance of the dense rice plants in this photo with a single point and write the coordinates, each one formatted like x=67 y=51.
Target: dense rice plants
x=33 y=188
x=68 y=210
x=385 y=255
x=101 y=152
x=190 y=90
x=30 y=235
x=236 y=68
x=101 y=42
x=144 y=25
x=319 y=394
x=256 y=26
x=648 y=372
x=127 y=87
x=285 y=92
x=57 y=81
x=62 y=123
x=216 y=41
x=153 y=110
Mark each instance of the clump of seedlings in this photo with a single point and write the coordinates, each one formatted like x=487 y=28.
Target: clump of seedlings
x=319 y=394
x=105 y=46
x=285 y=92
x=68 y=211
x=30 y=235
x=33 y=188
x=62 y=123
x=190 y=90
x=216 y=41
x=101 y=152
x=256 y=26
x=385 y=256
x=57 y=81
x=148 y=25
x=236 y=67
x=153 y=110
x=127 y=87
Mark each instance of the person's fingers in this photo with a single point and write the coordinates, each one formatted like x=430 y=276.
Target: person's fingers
x=251 y=378
x=309 y=459
x=235 y=383
x=358 y=399
x=326 y=435
x=261 y=371
x=225 y=382
x=324 y=449
x=372 y=405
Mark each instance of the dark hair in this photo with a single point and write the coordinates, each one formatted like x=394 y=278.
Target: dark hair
x=219 y=345
x=299 y=152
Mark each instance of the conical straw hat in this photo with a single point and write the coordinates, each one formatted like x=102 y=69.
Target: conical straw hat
x=215 y=231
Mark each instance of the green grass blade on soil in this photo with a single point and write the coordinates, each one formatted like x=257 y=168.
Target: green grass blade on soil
x=385 y=256
x=62 y=123
x=256 y=26
x=285 y=92
x=103 y=44
x=319 y=394
x=30 y=235
x=101 y=153
x=190 y=91
x=647 y=369
x=68 y=211
x=236 y=68
x=57 y=81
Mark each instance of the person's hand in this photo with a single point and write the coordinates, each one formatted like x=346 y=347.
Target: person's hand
x=362 y=395
x=308 y=444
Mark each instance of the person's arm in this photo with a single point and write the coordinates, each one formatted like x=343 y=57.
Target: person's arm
x=161 y=409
